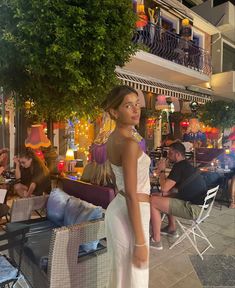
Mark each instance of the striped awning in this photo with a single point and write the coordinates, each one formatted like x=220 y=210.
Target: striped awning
x=147 y=85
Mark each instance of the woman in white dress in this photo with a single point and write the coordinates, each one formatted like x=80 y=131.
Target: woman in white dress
x=128 y=215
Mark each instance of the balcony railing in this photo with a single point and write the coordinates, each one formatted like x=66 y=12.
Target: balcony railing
x=171 y=46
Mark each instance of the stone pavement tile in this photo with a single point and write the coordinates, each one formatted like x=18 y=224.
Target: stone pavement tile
x=161 y=277
x=189 y=281
x=221 y=241
x=159 y=257
x=215 y=270
x=222 y=219
x=230 y=250
x=179 y=264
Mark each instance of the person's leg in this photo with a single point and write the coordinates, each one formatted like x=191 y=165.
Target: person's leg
x=158 y=204
x=171 y=223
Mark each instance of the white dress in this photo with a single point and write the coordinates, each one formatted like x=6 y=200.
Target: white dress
x=120 y=236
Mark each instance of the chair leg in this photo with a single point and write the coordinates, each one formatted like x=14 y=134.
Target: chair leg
x=187 y=232
x=204 y=236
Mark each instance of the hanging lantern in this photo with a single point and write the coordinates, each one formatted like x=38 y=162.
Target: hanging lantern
x=161 y=103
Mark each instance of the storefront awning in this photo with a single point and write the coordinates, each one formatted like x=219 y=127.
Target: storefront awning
x=147 y=85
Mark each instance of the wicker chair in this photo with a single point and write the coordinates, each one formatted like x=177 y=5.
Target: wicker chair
x=64 y=269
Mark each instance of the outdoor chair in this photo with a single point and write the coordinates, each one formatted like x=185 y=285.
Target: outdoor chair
x=9 y=270
x=191 y=229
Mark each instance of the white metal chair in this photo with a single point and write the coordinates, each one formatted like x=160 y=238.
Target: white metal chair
x=194 y=228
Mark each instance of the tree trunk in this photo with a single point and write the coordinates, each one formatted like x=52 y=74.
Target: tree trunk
x=20 y=129
x=50 y=133
x=3 y=120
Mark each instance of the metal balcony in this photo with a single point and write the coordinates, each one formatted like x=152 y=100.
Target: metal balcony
x=172 y=47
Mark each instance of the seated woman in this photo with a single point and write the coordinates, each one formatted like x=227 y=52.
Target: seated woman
x=32 y=175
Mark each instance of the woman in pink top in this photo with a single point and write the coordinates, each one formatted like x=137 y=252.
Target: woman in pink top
x=127 y=217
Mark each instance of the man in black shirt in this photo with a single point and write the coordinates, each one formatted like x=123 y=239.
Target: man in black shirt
x=191 y=190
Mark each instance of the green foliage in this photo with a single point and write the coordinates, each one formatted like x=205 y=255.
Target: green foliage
x=62 y=53
x=220 y=114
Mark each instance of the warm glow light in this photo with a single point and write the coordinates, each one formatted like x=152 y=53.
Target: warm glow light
x=208 y=85
x=227 y=151
x=185 y=22
x=39 y=154
x=69 y=156
x=61 y=166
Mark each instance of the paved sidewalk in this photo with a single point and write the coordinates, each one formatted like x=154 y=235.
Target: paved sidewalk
x=176 y=268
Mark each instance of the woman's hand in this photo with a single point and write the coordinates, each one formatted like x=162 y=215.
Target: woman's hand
x=16 y=160
x=140 y=256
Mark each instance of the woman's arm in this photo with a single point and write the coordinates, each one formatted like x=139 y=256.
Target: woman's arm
x=129 y=157
x=17 y=170
x=31 y=189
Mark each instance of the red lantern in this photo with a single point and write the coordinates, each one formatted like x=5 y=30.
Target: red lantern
x=39 y=154
x=184 y=124
x=61 y=166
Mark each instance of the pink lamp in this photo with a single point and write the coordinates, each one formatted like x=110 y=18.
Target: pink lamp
x=161 y=103
x=37 y=138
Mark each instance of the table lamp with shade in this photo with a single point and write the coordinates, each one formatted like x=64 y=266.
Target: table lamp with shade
x=37 y=139
x=69 y=158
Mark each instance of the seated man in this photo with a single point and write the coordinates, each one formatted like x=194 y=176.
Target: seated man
x=191 y=192
x=32 y=175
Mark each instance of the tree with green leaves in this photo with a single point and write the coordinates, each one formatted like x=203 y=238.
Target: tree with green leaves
x=220 y=114
x=61 y=54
